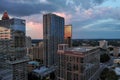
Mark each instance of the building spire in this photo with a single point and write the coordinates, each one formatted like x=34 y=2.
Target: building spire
x=5 y=16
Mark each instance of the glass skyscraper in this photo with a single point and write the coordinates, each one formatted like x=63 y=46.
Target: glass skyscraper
x=53 y=34
x=12 y=49
x=12 y=35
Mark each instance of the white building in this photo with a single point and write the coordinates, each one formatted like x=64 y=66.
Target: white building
x=103 y=44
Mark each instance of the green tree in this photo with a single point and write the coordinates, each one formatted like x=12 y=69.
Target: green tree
x=104 y=73
x=108 y=74
x=104 y=58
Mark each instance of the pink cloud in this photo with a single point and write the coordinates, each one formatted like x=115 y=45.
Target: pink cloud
x=34 y=30
x=65 y=15
x=34 y=26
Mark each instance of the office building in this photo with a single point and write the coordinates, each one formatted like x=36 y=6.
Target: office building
x=53 y=34
x=12 y=36
x=68 y=35
x=81 y=63
x=13 y=47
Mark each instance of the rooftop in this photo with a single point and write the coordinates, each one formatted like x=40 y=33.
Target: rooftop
x=44 y=70
x=117 y=70
x=34 y=63
x=5 y=16
x=81 y=49
x=18 y=61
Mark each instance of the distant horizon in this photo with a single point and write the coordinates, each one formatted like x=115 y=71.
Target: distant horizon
x=91 y=38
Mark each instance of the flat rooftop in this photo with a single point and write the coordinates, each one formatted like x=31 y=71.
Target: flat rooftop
x=44 y=70
x=18 y=61
x=81 y=49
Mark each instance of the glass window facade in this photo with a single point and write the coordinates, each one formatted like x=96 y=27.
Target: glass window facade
x=53 y=34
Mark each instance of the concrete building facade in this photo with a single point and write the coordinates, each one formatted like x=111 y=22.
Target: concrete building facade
x=36 y=52
x=78 y=63
x=103 y=44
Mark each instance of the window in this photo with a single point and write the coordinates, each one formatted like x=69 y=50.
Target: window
x=75 y=67
x=77 y=59
x=75 y=76
x=69 y=66
x=82 y=68
x=69 y=76
x=81 y=60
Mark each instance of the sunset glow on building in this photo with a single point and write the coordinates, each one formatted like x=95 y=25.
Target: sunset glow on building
x=67 y=31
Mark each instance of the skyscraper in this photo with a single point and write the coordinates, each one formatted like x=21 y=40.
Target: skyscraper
x=12 y=36
x=13 y=48
x=53 y=34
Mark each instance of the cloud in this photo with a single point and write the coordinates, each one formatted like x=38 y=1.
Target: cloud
x=83 y=3
x=37 y=18
x=67 y=16
x=85 y=16
x=101 y=25
x=25 y=8
x=35 y=30
x=30 y=1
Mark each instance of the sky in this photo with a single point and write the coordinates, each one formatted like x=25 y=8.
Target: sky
x=91 y=19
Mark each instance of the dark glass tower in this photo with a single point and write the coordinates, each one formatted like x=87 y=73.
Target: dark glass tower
x=53 y=34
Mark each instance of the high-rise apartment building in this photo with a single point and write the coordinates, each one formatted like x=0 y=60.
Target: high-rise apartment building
x=81 y=63
x=68 y=35
x=53 y=34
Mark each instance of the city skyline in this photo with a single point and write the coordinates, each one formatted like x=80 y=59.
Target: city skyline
x=90 y=19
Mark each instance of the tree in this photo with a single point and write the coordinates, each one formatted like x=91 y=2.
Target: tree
x=110 y=48
x=104 y=73
x=32 y=76
x=108 y=74
x=111 y=75
x=104 y=58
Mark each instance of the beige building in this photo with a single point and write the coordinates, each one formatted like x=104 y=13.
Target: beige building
x=103 y=44
x=117 y=61
x=79 y=63
x=5 y=33
x=36 y=52
x=116 y=51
